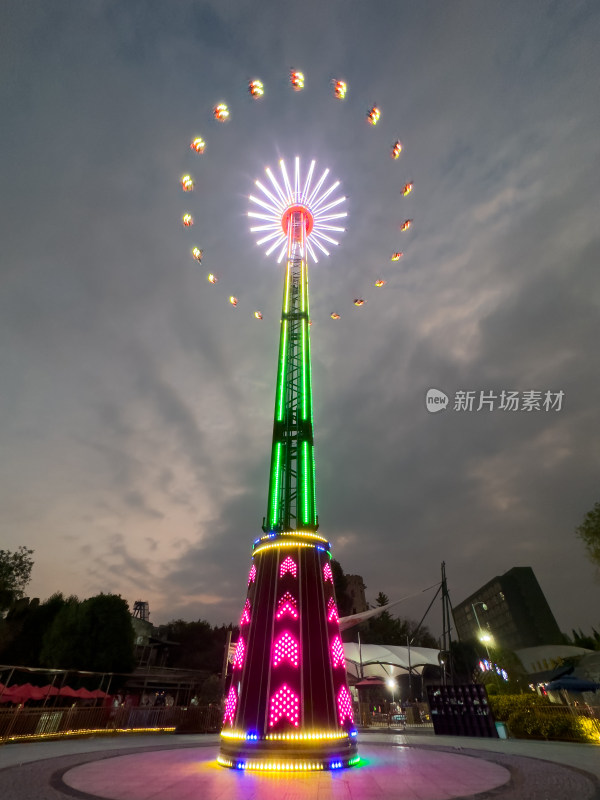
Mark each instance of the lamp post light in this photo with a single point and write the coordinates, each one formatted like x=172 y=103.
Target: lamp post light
x=484 y=636
x=392 y=686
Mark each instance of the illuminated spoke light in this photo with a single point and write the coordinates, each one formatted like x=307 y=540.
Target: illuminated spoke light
x=285 y=704
x=252 y=574
x=198 y=144
x=327 y=575
x=240 y=652
x=287 y=607
x=286 y=649
x=288 y=565
x=344 y=703
x=339 y=89
x=337 y=652
x=275 y=202
x=245 y=618
x=230 y=706
x=332 y=612
x=221 y=112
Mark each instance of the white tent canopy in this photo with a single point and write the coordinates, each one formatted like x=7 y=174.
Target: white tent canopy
x=384 y=661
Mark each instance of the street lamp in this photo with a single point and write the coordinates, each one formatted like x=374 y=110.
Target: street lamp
x=484 y=636
x=392 y=686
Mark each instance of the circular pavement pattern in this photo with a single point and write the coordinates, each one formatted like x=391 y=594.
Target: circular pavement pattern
x=389 y=773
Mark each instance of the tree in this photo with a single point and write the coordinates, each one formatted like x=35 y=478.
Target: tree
x=200 y=646
x=24 y=627
x=95 y=634
x=386 y=629
x=589 y=533
x=15 y=574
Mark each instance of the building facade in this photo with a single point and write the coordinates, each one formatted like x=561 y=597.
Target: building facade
x=512 y=609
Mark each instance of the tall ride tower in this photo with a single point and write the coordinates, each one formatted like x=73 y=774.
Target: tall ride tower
x=289 y=707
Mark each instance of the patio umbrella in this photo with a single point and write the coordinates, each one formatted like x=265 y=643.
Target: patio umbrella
x=66 y=691
x=49 y=690
x=20 y=694
x=371 y=682
x=572 y=684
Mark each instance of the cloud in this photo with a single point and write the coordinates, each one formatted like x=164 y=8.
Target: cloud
x=136 y=406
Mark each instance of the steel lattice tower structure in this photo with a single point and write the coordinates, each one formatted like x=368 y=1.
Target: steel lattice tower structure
x=289 y=707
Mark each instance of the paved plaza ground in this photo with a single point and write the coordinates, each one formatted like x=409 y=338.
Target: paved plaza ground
x=412 y=765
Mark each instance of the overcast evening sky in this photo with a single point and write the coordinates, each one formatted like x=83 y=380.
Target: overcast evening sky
x=136 y=404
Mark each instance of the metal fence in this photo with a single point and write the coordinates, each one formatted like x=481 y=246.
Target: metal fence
x=417 y=716
x=23 y=723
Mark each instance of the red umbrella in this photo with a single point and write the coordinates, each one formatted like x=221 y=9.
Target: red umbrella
x=49 y=690
x=85 y=694
x=370 y=682
x=21 y=694
x=66 y=691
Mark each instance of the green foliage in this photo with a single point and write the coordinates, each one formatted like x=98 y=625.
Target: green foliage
x=95 y=634
x=15 y=574
x=540 y=723
x=386 y=629
x=201 y=646
x=24 y=628
x=503 y=706
x=589 y=533
x=579 y=639
x=382 y=599
x=211 y=690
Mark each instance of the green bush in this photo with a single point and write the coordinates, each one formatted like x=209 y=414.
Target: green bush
x=537 y=723
x=503 y=705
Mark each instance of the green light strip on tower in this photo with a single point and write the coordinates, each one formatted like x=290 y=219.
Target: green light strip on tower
x=304 y=396
x=306 y=482
x=314 y=483
x=286 y=290
x=282 y=370
x=275 y=486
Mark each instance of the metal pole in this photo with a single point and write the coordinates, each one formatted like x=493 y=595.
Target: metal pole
x=409 y=670
x=225 y=662
x=360 y=664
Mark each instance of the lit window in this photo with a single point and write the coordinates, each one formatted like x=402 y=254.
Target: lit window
x=288 y=565
x=286 y=647
x=284 y=703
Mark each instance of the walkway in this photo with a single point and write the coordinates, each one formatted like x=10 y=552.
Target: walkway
x=396 y=766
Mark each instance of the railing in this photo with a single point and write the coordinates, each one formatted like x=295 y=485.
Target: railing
x=21 y=723
x=412 y=717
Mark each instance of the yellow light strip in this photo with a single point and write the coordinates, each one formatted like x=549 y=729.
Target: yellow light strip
x=306 y=736
x=279 y=545
x=287 y=766
x=84 y=732
x=298 y=533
